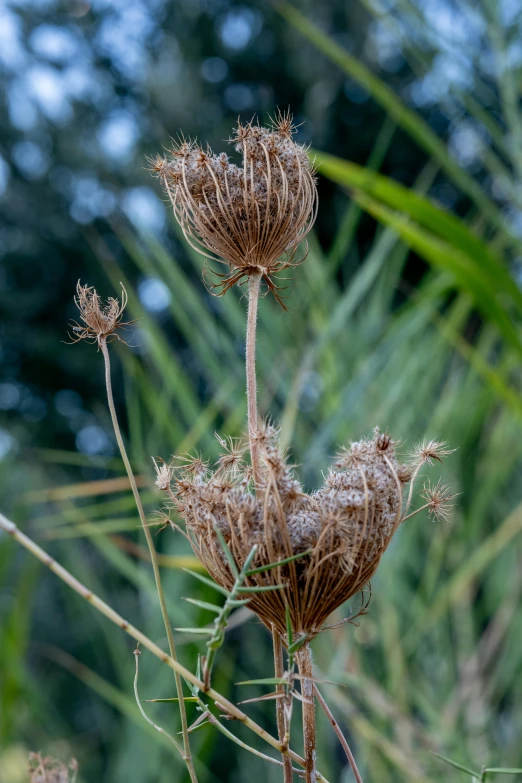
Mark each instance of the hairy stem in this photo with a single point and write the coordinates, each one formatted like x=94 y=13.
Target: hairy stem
x=280 y=707
x=137 y=635
x=304 y=662
x=342 y=738
x=254 y=284
x=154 y=558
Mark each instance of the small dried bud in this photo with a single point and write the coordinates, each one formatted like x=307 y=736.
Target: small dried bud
x=439 y=500
x=430 y=451
x=101 y=320
x=252 y=217
x=163 y=475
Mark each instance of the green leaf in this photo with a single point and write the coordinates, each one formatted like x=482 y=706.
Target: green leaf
x=504 y=770
x=174 y=698
x=198 y=631
x=264 y=681
x=228 y=553
x=264 y=589
x=408 y=119
x=468 y=275
x=289 y=634
x=204 y=605
x=208 y=582
x=443 y=224
x=295 y=646
x=456 y=765
x=276 y=565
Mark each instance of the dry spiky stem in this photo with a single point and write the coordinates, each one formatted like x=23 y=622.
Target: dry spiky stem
x=342 y=738
x=187 y=756
x=102 y=607
x=282 y=729
x=304 y=662
x=253 y=217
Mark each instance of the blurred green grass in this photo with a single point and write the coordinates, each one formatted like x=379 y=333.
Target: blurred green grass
x=436 y=663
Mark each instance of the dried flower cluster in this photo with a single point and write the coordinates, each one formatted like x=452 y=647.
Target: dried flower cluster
x=342 y=530
x=252 y=217
x=46 y=769
x=100 y=319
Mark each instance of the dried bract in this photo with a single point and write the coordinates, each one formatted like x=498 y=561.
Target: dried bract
x=101 y=320
x=341 y=530
x=252 y=217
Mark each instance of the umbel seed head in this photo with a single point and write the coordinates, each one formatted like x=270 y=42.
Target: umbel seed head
x=100 y=320
x=342 y=530
x=251 y=217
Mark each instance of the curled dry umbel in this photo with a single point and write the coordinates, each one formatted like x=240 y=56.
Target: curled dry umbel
x=253 y=216
x=341 y=530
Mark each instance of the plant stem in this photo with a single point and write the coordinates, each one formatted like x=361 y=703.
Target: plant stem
x=280 y=706
x=254 y=284
x=178 y=747
x=342 y=738
x=137 y=635
x=304 y=662
x=154 y=558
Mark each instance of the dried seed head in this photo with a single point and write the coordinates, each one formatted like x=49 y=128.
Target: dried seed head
x=101 y=320
x=45 y=769
x=341 y=530
x=251 y=217
x=430 y=451
x=439 y=499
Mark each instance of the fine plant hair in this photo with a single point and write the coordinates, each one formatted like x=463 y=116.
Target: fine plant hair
x=293 y=556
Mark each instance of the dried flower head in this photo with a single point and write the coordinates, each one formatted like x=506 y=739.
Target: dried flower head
x=430 y=451
x=439 y=500
x=341 y=530
x=252 y=217
x=163 y=475
x=101 y=320
x=45 y=769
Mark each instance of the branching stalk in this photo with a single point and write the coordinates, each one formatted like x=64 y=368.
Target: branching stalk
x=153 y=556
x=254 y=284
x=304 y=662
x=342 y=738
x=137 y=635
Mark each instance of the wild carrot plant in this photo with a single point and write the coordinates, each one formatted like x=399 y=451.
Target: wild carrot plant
x=292 y=556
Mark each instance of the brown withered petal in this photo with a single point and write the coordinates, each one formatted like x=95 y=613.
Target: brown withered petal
x=252 y=217
x=342 y=530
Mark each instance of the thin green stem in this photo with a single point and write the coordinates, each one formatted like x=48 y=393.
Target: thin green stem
x=254 y=284
x=153 y=556
x=178 y=747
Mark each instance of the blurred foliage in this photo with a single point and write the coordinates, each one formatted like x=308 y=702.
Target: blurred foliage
x=406 y=314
